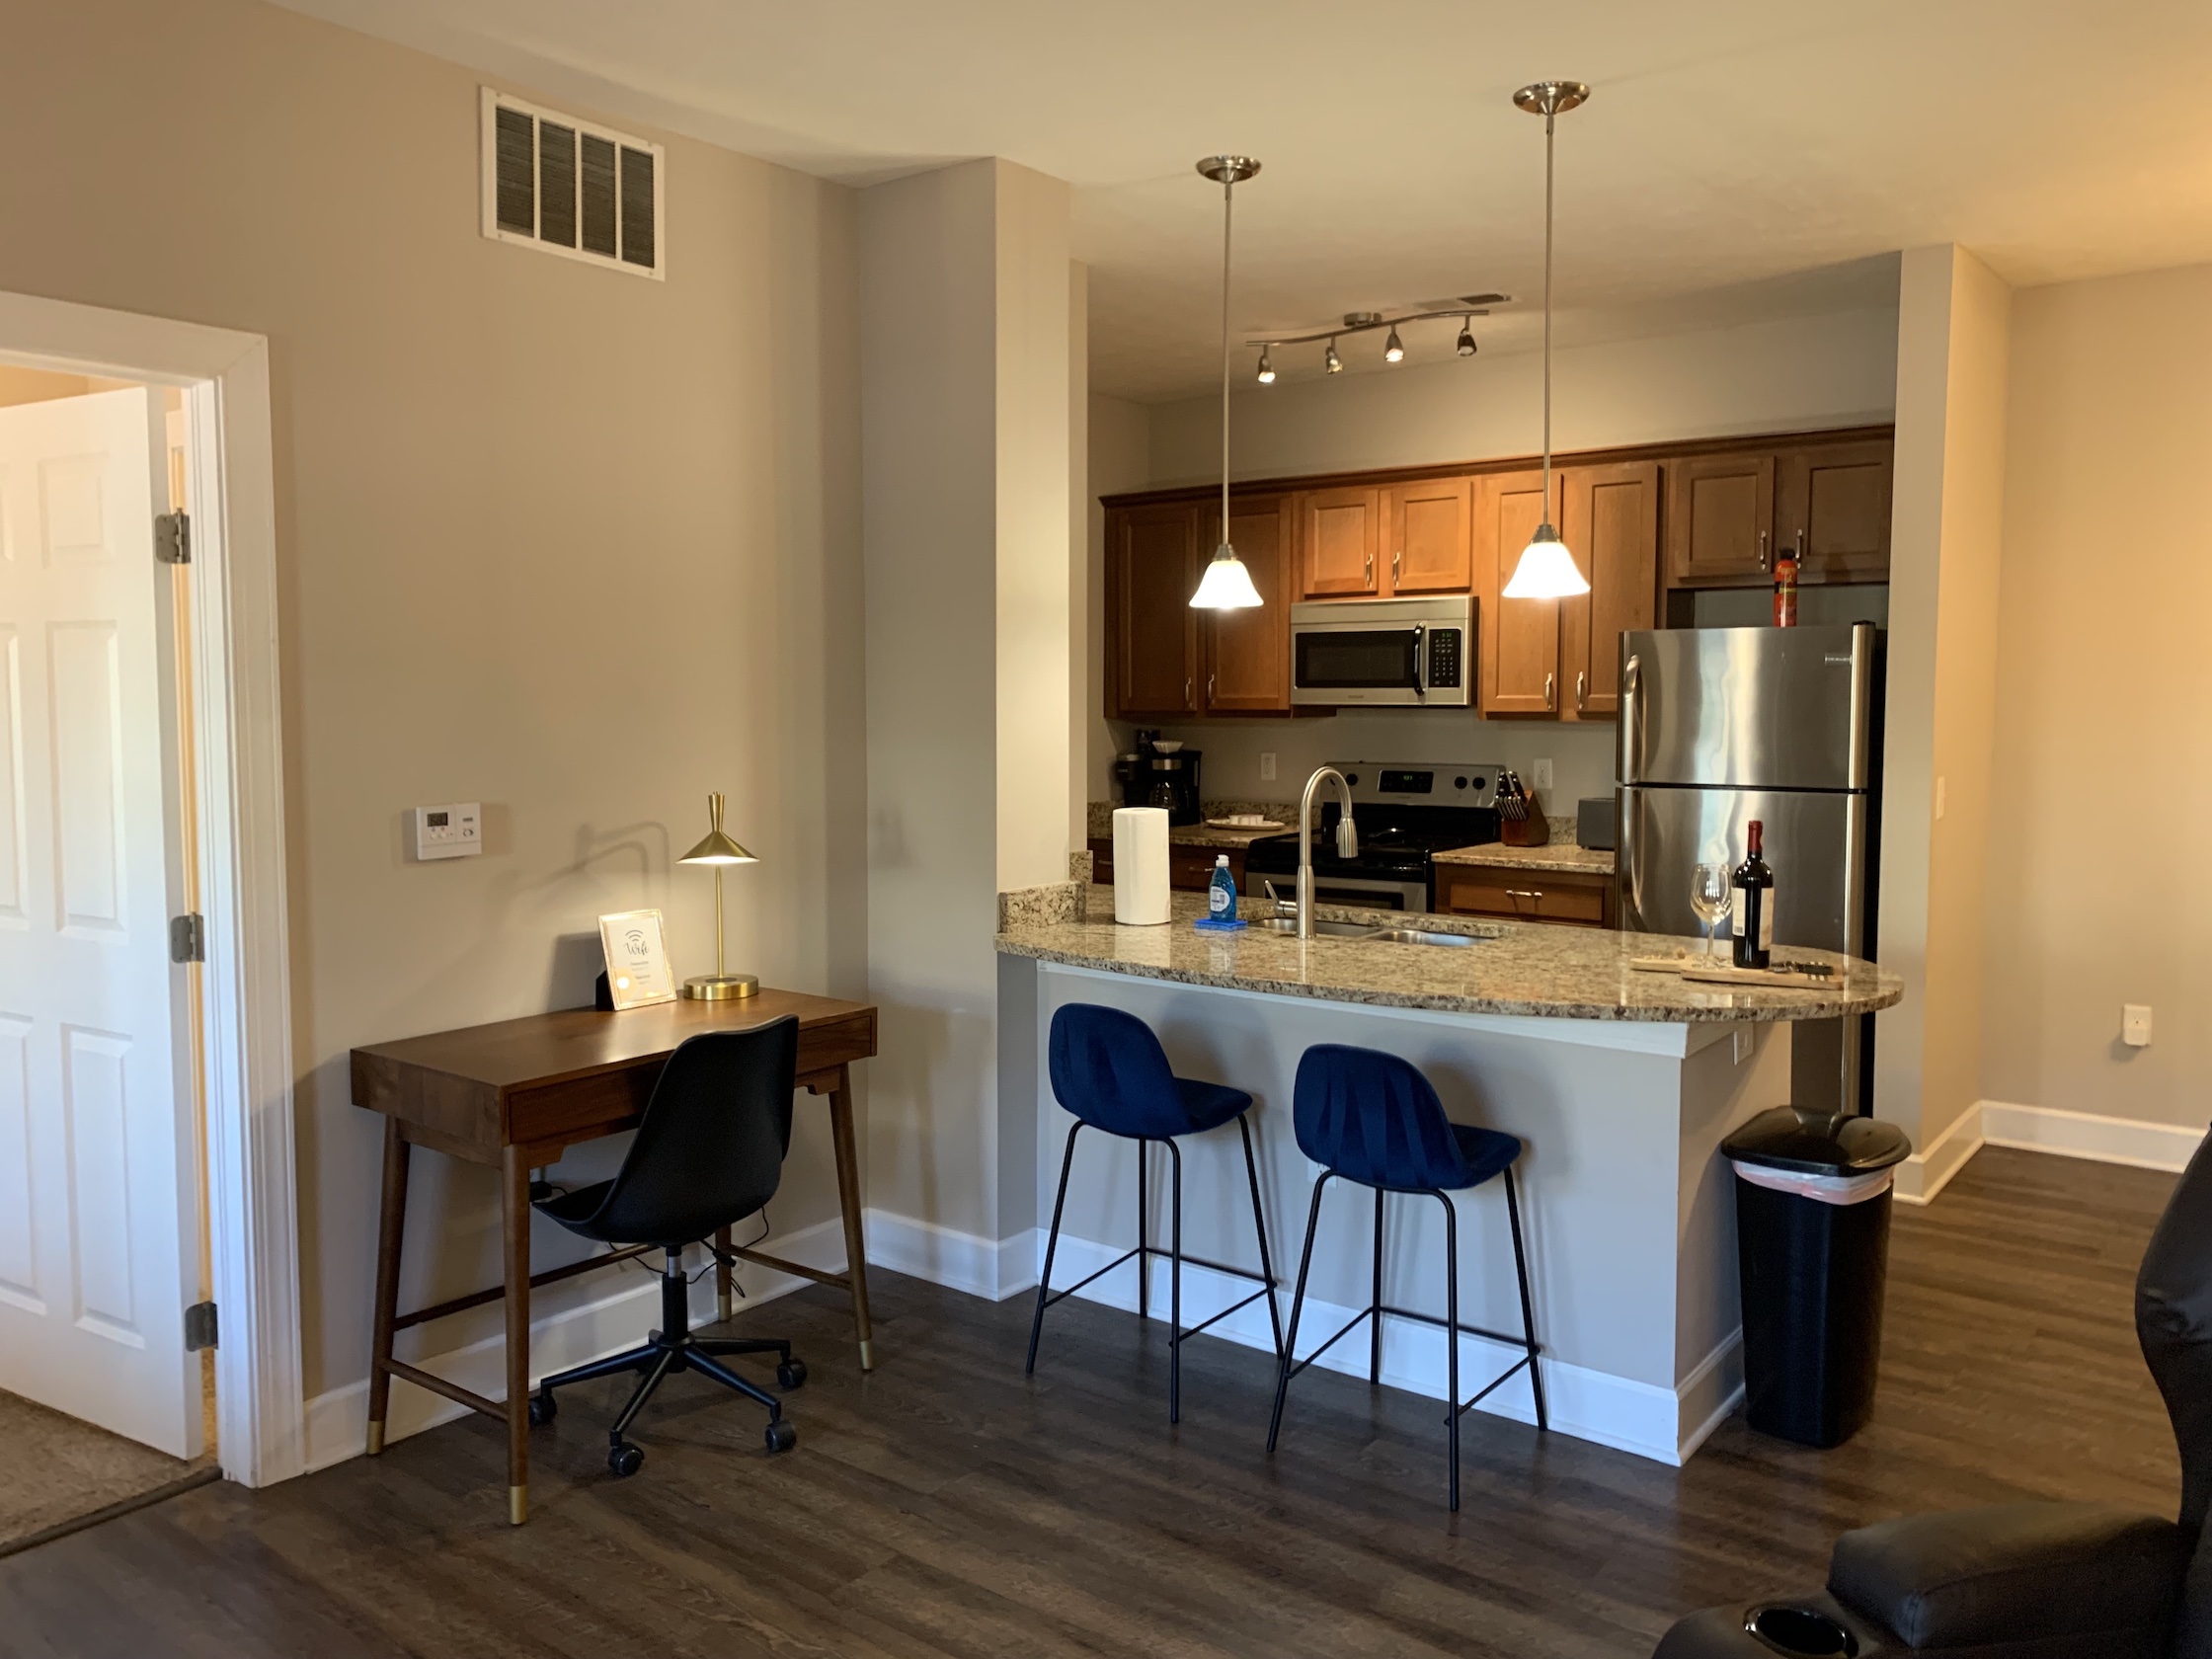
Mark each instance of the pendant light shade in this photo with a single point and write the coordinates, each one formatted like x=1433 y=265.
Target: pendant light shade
x=1546 y=570
x=1227 y=583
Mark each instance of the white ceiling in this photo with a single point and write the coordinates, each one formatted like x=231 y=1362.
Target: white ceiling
x=1736 y=158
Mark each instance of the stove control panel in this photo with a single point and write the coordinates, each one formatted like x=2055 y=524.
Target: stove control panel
x=1424 y=783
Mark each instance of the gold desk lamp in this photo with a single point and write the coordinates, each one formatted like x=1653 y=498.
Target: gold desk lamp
x=719 y=851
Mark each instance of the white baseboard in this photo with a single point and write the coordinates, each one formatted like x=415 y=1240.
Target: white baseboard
x=994 y=1269
x=1662 y=1424
x=336 y=1421
x=2089 y=1135
x=1929 y=1171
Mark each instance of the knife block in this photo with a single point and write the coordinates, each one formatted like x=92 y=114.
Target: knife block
x=1533 y=831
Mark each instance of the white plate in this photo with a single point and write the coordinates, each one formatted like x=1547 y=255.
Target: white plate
x=1243 y=822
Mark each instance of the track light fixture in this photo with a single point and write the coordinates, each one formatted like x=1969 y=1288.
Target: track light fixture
x=1465 y=307
x=1267 y=369
x=1394 y=349
x=1465 y=345
x=1331 y=361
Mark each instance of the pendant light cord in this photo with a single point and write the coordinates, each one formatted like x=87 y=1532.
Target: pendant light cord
x=1550 y=115
x=1229 y=207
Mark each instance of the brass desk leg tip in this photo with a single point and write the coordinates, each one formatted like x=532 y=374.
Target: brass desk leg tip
x=867 y=1356
x=722 y=1308
x=517 y=1505
x=375 y=1439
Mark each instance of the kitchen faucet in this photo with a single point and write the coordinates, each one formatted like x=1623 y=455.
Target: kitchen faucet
x=1347 y=842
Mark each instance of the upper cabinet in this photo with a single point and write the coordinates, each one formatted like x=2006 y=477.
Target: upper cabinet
x=1832 y=510
x=1339 y=532
x=1611 y=522
x=1152 y=632
x=1520 y=667
x=1720 y=521
x=1427 y=529
x=1246 y=654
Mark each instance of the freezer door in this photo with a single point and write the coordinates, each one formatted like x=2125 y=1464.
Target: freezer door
x=1773 y=708
x=1816 y=845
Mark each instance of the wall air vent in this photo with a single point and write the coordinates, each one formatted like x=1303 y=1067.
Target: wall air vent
x=573 y=187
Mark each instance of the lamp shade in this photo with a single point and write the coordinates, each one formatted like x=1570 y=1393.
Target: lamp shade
x=1546 y=570
x=717 y=848
x=1227 y=583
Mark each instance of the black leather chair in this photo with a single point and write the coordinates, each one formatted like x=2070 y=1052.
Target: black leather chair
x=2031 y=1580
x=709 y=1152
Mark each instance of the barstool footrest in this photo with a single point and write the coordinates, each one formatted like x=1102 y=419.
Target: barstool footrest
x=1189 y=1331
x=1053 y=1295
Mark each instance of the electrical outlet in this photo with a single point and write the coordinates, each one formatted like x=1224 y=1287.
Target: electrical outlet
x=1267 y=766
x=1742 y=1044
x=1540 y=775
x=2135 y=1024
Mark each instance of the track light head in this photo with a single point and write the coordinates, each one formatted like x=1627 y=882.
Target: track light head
x=1331 y=361
x=1465 y=342
x=1394 y=349
x=1267 y=369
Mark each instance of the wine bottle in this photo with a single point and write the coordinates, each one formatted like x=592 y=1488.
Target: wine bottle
x=1754 y=882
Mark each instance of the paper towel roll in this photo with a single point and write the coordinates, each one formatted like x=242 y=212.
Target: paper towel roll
x=1141 y=866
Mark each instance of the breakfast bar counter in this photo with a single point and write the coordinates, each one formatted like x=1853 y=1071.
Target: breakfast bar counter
x=1621 y=1082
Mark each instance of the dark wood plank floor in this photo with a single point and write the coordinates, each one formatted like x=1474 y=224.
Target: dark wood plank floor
x=946 y=1506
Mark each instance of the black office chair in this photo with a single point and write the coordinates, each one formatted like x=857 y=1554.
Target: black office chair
x=2031 y=1580
x=709 y=1152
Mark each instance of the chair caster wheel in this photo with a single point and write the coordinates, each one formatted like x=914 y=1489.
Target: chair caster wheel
x=781 y=1437
x=542 y=1410
x=792 y=1373
x=624 y=1459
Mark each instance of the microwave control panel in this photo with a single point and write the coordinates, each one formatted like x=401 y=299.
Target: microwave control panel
x=1444 y=658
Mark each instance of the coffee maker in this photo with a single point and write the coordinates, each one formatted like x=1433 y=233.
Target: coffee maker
x=1154 y=775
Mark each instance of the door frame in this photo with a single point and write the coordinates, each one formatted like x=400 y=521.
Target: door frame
x=237 y=733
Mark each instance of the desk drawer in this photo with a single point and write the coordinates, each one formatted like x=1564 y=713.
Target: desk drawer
x=1525 y=896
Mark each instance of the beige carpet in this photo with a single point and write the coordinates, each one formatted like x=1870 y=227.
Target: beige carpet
x=61 y=1474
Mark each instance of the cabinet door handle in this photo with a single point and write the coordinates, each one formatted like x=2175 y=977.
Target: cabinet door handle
x=1397 y=563
x=1800 y=546
x=1550 y=691
x=1369 y=577
x=1581 y=690
x=1186 y=691
x=1765 y=556
x=1209 y=689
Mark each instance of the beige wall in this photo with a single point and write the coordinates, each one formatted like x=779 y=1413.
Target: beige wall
x=2102 y=790
x=577 y=544
x=1945 y=541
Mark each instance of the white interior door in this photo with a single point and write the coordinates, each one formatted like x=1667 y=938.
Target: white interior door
x=98 y=1229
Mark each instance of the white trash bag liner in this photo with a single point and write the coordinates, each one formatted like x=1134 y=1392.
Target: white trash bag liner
x=1828 y=1189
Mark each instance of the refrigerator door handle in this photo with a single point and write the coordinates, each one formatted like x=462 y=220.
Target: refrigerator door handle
x=1628 y=867
x=1631 y=719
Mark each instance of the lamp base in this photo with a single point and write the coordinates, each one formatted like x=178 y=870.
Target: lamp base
x=719 y=987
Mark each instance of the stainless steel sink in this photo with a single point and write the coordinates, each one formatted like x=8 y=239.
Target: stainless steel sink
x=1422 y=936
x=1322 y=929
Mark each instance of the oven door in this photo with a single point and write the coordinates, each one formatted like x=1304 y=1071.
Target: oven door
x=1338 y=662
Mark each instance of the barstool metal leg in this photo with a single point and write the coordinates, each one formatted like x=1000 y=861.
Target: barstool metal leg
x=1452 y=1336
x=1175 y=1283
x=1375 y=1302
x=1144 y=1237
x=1298 y=1305
x=1052 y=1243
x=1527 y=1316
x=1259 y=1225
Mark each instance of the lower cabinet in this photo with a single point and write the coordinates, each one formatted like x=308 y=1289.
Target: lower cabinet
x=1189 y=868
x=1485 y=890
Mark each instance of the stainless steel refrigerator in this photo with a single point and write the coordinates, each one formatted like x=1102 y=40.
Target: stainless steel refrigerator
x=1721 y=726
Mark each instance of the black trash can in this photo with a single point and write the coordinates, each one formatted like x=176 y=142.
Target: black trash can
x=1812 y=1251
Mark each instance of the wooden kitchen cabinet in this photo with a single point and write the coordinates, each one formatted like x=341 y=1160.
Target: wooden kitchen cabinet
x=1190 y=869
x=1246 y=654
x=1483 y=890
x=1428 y=532
x=1720 y=519
x=1520 y=667
x=1831 y=508
x=1610 y=517
x=1152 y=632
x=1339 y=533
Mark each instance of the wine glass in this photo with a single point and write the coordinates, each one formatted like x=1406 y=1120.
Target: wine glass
x=1713 y=897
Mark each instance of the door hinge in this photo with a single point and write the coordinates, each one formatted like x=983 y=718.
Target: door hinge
x=173 y=538
x=188 y=938
x=200 y=1326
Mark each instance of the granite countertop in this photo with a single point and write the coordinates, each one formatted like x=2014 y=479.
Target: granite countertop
x=1101 y=825
x=1567 y=972
x=1561 y=856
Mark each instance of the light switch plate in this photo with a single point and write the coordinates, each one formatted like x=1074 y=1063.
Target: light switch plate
x=1540 y=775
x=2135 y=1024
x=1743 y=1042
x=1267 y=766
x=453 y=830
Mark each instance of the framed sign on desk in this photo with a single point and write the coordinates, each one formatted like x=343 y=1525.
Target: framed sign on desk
x=636 y=959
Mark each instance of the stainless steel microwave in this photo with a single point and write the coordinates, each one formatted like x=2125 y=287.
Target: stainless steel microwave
x=1361 y=653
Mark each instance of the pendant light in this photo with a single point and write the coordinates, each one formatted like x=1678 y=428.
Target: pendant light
x=1546 y=570
x=1227 y=585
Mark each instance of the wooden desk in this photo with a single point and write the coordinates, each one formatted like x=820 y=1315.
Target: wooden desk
x=518 y=1094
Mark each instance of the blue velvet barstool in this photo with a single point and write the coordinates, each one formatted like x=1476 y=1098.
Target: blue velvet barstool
x=1109 y=1069
x=1373 y=1119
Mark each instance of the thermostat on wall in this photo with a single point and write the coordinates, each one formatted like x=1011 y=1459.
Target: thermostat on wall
x=455 y=831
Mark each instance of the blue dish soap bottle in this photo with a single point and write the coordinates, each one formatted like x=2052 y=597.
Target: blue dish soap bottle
x=1221 y=898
